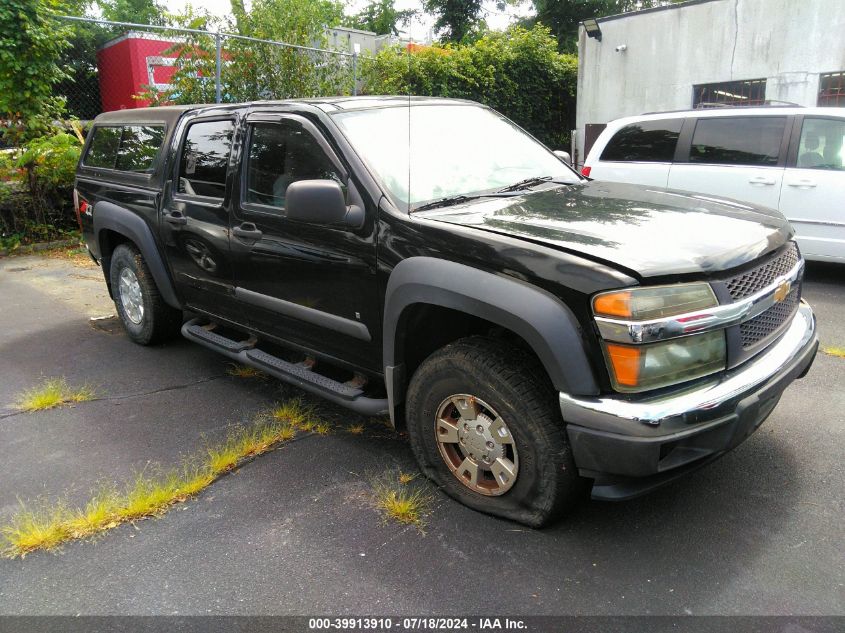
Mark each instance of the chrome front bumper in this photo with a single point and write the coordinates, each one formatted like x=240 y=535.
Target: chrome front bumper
x=614 y=435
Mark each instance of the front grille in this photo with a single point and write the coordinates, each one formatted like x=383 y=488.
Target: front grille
x=756 y=279
x=764 y=325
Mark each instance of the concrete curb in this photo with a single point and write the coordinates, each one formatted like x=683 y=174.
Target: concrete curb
x=40 y=246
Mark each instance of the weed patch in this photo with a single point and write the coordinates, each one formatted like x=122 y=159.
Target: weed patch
x=401 y=502
x=153 y=492
x=53 y=392
x=245 y=371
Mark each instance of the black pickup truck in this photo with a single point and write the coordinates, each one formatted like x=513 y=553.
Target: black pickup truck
x=534 y=332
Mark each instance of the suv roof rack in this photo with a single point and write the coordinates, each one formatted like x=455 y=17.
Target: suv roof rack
x=713 y=105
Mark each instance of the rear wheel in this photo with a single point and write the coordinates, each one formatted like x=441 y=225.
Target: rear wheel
x=484 y=425
x=146 y=318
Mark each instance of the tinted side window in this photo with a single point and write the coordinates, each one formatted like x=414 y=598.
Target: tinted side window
x=102 y=152
x=649 y=141
x=138 y=148
x=822 y=144
x=202 y=171
x=280 y=154
x=738 y=141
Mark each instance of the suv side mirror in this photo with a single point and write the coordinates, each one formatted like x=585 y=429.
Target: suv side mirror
x=564 y=156
x=321 y=202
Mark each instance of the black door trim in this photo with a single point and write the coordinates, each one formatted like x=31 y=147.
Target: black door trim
x=304 y=313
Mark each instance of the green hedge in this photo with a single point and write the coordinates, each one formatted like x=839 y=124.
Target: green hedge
x=518 y=72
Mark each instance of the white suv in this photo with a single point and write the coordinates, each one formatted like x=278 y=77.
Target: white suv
x=788 y=158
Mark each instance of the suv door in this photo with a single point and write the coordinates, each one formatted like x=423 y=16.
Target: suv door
x=639 y=153
x=195 y=217
x=739 y=157
x=310 y=285
x=813 y=193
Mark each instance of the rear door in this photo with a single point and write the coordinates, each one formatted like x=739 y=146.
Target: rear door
x=813 y=193
x=195 y=217
x=639 y=153
x=740 y=157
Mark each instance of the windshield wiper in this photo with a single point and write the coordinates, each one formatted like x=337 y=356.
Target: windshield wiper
x=531 y=182
x=449 y=201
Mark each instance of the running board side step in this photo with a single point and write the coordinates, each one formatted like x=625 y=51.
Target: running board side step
x=244 y=352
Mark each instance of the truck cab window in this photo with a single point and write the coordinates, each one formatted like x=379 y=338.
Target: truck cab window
x=205 y=156
x=280 y=154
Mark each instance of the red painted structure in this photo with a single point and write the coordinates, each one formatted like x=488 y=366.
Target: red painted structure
x=128 y=63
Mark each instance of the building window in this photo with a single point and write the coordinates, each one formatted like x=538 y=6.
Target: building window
x=832 y=89
x=750 y=92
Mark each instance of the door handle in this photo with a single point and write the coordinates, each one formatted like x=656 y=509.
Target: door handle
x=761 y=180
x=247 y=231
x=175 y=217
x=804 y=183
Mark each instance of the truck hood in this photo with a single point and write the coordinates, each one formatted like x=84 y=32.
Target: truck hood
x=644 y=230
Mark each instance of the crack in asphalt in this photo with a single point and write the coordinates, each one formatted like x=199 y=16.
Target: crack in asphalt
x=140 y=394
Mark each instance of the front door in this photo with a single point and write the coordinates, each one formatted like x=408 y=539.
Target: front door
x=195 y=218
x=813 y=194
x=311 y=285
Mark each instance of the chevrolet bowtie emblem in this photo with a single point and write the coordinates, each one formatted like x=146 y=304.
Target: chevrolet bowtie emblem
x=782 y=290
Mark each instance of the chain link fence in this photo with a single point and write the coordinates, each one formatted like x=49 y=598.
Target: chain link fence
x=119 y=65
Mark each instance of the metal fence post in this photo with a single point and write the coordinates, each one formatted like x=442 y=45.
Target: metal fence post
x=356 y=48
x=217 y=63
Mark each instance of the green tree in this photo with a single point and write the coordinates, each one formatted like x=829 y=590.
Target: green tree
x=456 y=19
x=253 y=70
x=564 y=16
x=518 y=72
x=136 y=11
x=380 y=16
x=31 y=43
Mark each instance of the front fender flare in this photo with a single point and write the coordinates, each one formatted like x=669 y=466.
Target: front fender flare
x=541 y=319
x=109 y=216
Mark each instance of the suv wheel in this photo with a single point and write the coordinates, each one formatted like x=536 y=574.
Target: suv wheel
x=484 y=426
x=146 y=318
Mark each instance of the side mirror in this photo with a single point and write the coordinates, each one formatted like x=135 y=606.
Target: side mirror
x=321 y=202
x=564 y=156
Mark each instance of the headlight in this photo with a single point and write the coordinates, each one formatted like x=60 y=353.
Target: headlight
x=642 y=367
x=642 y=304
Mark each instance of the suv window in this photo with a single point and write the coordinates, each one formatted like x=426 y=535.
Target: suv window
x=647 y=141
x=280 y=154
x=822 y=144
x=205 y=157
x=138 y=147
x=125 y=148
x=738 y=141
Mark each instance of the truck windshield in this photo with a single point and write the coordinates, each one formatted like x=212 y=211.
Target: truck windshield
x=449 y=150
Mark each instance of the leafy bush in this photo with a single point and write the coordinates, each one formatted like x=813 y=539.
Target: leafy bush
x=50 y=162
x=518 y=72
x=36 y=202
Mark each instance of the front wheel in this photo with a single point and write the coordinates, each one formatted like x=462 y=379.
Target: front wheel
x=146 y=318
x=484 y=425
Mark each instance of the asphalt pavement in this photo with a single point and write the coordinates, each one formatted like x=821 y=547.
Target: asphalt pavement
x=295 y=532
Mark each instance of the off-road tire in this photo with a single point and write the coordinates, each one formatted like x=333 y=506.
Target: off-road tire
x=159 y=322
x=514 y=383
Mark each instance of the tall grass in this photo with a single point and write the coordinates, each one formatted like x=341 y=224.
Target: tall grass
x=153 y=492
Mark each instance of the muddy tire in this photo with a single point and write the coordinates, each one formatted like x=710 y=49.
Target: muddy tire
x=484 y=425
x=146 y=318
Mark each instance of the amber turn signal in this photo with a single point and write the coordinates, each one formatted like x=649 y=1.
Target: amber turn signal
x=625 y=364
x=613 y=304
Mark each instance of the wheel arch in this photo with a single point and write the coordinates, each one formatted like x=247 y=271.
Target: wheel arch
x=545 y=324
x=114 y=225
